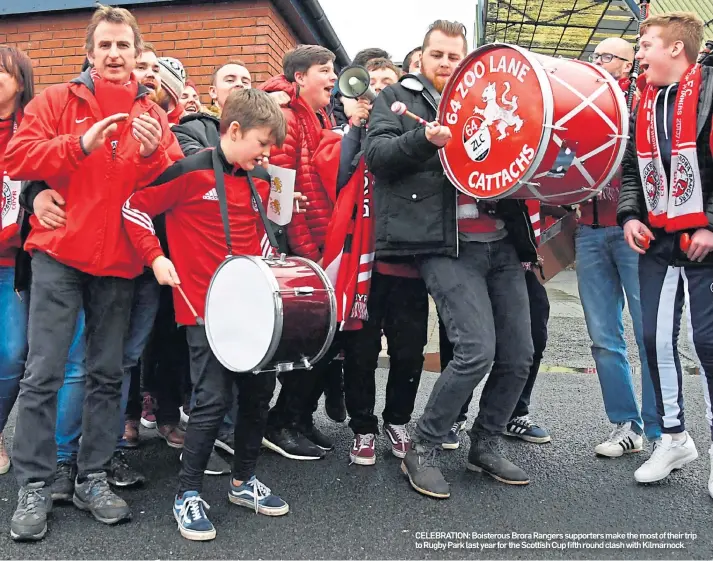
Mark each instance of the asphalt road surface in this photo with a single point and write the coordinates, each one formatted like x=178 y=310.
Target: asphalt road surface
x=340 y=511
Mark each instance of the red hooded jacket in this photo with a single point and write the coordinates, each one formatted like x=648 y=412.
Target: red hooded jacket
x=306 y=232
x=46 y=147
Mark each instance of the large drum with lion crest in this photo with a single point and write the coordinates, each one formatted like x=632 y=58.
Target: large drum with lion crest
x=530 y=126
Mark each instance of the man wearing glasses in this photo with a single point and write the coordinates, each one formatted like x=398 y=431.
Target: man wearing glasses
x=607 y=270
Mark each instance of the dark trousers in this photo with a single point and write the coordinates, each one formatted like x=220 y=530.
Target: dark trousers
x=301 y=389
x=58 y=294
x=165 y=361
x=481 y=296
x=539 y=316
x=664 y=290
x=400 y=306
x=213 y=388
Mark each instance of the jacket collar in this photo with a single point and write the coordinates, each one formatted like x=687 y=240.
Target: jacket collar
x=229 y=168
x=419 y=83
x=85 y=79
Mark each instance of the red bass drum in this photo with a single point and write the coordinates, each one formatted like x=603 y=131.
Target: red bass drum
x=530 y=126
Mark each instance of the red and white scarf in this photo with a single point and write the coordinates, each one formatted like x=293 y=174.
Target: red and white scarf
x=676 y=204
x=348 y=255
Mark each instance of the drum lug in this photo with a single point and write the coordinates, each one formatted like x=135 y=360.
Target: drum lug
x=555 y=127
x=304 y=291
x=285 y=367
x=306 y=363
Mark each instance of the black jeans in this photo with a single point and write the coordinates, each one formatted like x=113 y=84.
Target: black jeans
x=58 y=293
x=539 y=316
x=400 y=306
x=213 y=387
x=165 y=361
x=482 y=298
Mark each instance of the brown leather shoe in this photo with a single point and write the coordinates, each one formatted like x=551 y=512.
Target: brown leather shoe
x=172 y=435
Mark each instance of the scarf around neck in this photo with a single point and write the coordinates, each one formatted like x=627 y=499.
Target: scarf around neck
x=677 y=203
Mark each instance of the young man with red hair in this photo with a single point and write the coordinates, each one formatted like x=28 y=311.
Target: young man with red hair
x=666 y=209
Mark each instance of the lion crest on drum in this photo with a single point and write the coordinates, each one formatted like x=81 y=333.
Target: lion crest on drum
x=494 y=113
x=652 y=184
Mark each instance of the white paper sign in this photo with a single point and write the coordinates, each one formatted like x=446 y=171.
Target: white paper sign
x=10 y=201
x=282 y=191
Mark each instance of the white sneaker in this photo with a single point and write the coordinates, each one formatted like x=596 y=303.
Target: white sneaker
x=668 y=455
x=622 y=440
x=710 y=477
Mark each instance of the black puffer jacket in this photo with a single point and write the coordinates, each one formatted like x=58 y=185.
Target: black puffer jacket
x=197 y=131
x=415 y=202
x=631 y=198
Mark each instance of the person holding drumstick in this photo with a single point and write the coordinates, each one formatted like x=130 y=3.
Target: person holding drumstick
x=189 y=195
x=470 y=260
x=666 y=198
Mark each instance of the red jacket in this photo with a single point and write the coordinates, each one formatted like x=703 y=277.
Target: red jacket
x=186 y=193
x=46 y=147
x=10 y=234
x=306 y=232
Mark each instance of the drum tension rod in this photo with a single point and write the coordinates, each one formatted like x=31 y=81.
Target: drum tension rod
x=624 y=136
x=555 y=127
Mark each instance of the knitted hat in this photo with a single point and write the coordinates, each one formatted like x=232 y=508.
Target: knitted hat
x=173 y=76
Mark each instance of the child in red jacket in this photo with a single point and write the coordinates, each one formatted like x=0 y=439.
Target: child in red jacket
x=250 y=125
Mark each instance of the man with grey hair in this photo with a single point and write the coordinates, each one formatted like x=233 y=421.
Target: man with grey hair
x=607 y=276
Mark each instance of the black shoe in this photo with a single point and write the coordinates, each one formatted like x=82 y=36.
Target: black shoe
x=485 y=456
x=62 y=487
x=225 y=441
x=421 y=467
x=292 y=444
x=316 y=436
x=120 y=473
x=334 y=404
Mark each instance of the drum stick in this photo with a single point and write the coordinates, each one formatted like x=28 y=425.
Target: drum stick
x=199 y=320
x=400 y=108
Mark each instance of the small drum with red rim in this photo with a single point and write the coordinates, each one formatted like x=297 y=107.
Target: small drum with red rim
x=269 y=314
x=530 y=126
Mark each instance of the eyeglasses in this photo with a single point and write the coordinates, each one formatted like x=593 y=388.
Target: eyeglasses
x=606 y=57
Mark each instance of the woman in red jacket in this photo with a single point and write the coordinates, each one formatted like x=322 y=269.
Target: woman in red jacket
x=16 y=90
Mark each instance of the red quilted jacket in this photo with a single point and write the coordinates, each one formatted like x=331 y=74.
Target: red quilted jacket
x=305 y=130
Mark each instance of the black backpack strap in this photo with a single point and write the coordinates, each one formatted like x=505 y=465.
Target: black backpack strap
x=222 y=199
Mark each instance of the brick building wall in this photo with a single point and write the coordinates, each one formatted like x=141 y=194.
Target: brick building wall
x=201 y=36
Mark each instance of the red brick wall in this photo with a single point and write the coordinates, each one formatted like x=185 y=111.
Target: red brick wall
x=201 y=36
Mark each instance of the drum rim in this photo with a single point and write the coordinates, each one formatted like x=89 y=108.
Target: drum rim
x=547 y=110
x=332 y=307
x=277 y=332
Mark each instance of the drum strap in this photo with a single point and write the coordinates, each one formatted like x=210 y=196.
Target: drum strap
x=223 y=202
x=595 y=213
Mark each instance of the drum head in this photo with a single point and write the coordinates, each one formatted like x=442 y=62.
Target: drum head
x=241 y=313
x=496 y=104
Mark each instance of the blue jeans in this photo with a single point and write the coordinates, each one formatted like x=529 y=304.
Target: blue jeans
x=13 y=343
x=69 y=419
x=70 y=398
x=607 y=269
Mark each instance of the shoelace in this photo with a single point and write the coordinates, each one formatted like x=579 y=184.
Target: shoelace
x=30 y=500
x=120 y=460
x=659 y=450
x=430 y=459
x=65 y=469
x=364 y=442
x=619 y=432
x=100 y=489
x=192 y=506
x=148 y=403
x=456 y=427
x=524 y=420
x=401 y=433
x=260 y=491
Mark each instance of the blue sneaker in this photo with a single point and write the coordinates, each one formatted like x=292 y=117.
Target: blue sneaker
x=189 y=512
x=524 y=429
x=253 y=494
